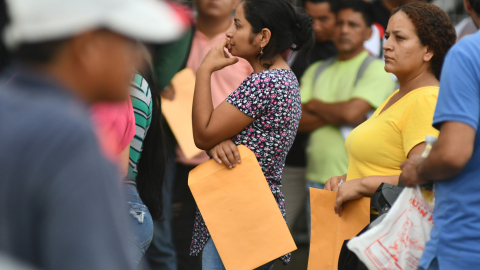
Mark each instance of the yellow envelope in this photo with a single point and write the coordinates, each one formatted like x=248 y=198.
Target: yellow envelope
x=178 y=112
x=241 y=213
x=329 y=231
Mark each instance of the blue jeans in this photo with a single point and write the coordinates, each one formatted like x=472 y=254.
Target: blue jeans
x=161 y=253
x=141 y=223
x=433 y=266
x=211 y=260
x=309 y=212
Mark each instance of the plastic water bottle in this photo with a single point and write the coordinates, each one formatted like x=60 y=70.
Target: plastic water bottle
x=428 y=189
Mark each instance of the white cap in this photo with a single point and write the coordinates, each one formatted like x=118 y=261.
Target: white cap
x=43 y=20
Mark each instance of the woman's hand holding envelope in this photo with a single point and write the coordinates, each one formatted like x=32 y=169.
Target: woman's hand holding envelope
x=227 y=153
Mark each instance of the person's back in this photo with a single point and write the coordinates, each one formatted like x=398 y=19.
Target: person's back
x=52 y=172
x=457 y=215
x=454 y=237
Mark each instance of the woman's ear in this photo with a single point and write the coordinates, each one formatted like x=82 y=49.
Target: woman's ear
x=428 y=54
x=265 y=37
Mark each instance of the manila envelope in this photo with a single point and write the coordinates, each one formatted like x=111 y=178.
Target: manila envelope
x=240 y=212
x=178 y=112
x=329 y=231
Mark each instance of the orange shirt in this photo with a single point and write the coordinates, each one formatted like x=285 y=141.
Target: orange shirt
x=223 y=82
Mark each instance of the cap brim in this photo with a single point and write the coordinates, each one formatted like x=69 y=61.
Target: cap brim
x=152 y=21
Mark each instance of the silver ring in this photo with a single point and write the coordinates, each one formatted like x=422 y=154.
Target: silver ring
x=341 y=182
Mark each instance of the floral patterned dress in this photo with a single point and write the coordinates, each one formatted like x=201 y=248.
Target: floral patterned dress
x=272 y=98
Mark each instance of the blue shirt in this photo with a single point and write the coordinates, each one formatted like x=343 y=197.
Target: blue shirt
x=61 y=205
x=455 y=238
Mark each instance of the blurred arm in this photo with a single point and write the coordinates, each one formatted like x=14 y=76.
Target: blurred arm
x=450 y=154
x=309 y=121
x=339 y=113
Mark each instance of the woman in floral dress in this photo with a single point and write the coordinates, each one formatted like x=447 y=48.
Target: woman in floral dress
x=263 y=113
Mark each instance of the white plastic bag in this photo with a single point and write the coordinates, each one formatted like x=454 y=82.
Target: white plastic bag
x=398 y=241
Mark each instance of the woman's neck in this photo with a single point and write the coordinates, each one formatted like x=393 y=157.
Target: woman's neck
x=417 y=80
x=211 y=27
x=278 y=62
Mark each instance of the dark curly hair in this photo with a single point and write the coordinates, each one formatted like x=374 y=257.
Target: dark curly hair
x=434 y=29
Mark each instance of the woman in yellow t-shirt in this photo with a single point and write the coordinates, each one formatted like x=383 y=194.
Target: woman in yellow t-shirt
x=418 y=38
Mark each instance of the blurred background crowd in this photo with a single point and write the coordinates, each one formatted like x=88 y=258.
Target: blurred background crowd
x=134 y=135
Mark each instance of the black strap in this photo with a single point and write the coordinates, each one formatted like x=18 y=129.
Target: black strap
x=400 y=183
x=322 y=67
x=363 y=67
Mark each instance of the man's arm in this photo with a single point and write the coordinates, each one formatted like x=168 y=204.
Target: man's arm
x=450 y=153
x=309 y=121
x=370 y=91
x=448 y=157
x=339 y=113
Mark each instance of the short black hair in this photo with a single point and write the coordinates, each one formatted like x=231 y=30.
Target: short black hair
x=359 y=6
x=475 y=5
x=334 y=5
x=40 y=53
x=4 y=19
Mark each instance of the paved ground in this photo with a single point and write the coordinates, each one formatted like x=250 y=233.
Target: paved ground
x=299 y=260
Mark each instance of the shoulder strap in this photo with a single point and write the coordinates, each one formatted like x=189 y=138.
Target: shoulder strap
x=322 y=67
x=364 y=66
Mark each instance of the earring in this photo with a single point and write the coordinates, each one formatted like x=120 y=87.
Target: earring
x=261 y=50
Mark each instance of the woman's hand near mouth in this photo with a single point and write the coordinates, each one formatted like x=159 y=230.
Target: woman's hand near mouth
x=217 y=58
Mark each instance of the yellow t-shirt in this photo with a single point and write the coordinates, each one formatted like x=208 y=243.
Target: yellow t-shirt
x=382 y=143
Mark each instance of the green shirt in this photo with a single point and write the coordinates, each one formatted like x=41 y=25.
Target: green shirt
x=142 y=108
x=326 y=156
x=171 y=58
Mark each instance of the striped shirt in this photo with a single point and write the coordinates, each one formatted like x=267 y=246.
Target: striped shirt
x=142 y=107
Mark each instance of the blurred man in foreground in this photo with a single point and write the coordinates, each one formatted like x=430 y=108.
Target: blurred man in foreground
x=60 y=200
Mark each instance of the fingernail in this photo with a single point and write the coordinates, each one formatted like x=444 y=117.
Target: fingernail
x=238 y=160
x=234 y=165
x=229 y=167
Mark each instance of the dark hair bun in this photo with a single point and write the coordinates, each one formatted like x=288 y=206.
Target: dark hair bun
x=303 y=34
x=289 y=29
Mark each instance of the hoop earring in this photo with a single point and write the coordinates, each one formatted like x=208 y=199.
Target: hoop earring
x=261 y=50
